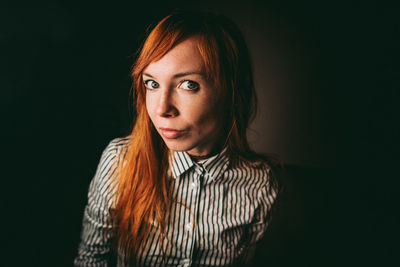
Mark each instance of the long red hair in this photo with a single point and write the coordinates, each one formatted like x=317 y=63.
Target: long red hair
x=143 y=192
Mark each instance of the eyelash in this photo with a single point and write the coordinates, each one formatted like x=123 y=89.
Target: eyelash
x=180 y=84
x=194 y=89
x=146 y=84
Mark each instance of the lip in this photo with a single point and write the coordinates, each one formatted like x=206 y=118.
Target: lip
x=171 y=133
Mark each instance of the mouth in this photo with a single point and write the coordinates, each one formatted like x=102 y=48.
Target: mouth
x=171 y=133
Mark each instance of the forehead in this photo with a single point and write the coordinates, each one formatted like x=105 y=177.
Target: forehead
x=184 y=57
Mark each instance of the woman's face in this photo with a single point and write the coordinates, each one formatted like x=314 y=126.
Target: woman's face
x=182 y=104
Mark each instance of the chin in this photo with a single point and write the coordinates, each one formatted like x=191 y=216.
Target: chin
x=178 y=146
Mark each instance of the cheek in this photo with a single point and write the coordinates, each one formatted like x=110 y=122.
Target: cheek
x=204 y=113
x=207 y=121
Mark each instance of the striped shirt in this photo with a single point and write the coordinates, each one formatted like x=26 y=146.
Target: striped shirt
x=219 y=213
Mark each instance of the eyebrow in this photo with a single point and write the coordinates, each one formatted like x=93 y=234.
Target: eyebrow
x=179 y=75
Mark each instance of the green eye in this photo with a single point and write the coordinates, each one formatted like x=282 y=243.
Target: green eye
x=189 y=85
x=151 y=84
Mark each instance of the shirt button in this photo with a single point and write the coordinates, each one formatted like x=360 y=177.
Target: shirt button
x=194 y=187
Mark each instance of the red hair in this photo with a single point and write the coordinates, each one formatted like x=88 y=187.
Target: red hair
x=143 y=192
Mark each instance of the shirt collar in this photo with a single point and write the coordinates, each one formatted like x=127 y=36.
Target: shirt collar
x=211 y=168
x=180 y=162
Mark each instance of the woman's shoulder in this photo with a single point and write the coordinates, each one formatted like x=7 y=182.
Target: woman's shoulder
x=259 y=166
x=107 y=166
x=113 y=153
x=117 y=145
x=262 y=172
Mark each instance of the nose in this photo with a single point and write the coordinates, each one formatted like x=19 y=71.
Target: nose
x=166 y=106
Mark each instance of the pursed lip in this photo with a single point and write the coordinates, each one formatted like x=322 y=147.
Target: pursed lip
x=171 y=133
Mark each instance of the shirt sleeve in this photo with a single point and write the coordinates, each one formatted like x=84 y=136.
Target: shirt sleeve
x=96 y=236
x=266 y=199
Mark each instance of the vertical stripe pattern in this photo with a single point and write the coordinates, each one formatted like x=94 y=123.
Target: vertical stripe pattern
x=219 y=213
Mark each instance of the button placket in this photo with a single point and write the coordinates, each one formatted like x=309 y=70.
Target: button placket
x=195 y=189
x=197 y=178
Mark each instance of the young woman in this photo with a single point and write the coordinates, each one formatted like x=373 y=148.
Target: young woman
x=184 y=188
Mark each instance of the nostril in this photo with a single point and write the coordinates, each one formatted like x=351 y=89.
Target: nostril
x=171 y=112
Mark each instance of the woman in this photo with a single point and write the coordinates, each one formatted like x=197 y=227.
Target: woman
x=184 y=188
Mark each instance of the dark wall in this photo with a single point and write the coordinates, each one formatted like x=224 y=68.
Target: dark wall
x=327 y=78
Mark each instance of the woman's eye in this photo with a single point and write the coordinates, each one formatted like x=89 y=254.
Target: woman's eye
x=151 y=84
x=189 y=85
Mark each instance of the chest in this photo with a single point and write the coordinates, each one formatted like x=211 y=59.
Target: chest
x=209 y=221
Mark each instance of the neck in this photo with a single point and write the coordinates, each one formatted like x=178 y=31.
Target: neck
x=217 y=148
x=198 y=158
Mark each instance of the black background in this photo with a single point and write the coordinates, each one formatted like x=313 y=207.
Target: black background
x=65 y=93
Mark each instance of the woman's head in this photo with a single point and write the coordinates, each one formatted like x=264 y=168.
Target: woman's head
x=182 y=103
x=220 y=116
